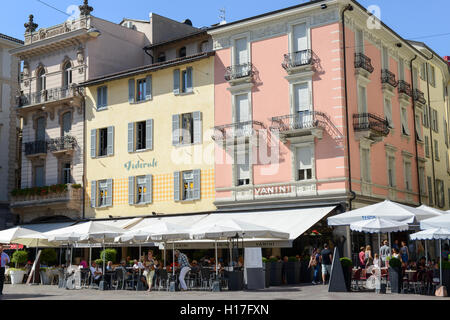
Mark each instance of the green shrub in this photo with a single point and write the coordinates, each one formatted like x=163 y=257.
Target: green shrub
x=20 y=257
x=264 y=260
x=292 y=259
x=76 y=186
x=395 y=263
x=346 y=262
x=111 y=255
x=49 y=256
x=99 y=262
x=445 y=265
x=273 y=259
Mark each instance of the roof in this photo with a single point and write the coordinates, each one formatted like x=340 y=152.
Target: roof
x=147 y=68
x=423 y=44
x=4 y=36
x=200 y=32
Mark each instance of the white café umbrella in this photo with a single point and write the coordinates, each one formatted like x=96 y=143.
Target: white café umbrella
x=442 y=221
x=437 y=212
x=433 y=234
x=24 y=236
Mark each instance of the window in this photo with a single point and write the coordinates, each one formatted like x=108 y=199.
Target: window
x=66 y=123
x=182 y=52
x=67 y=74
x=405 y=129
x=391 y=171
x=66 y=173
x=41 y=80
x=102 y=94
x=431 y=75
x=40 y=129
x=427 y=147
x=140 y=135
x=102 y=142
x=140 y=189
x=362 y=99
x=359 y=41
x=436 y=150
x=186 y=128
x=401 y=69
x=365 y=165
x=448 y=196
x=182 y=81
x=143 y=90
x=304 y=163
x=242 y=168
x=423 y=75
x=422 y=180
x=418 y=128
x=204 y=46
x=440 y=193
x=445 y=132
x=434 y=120
x=426 y=117
x=39 y=179
x=385 y=58
x=408 y=184
x=161 y=57
x=187 y=185
x=102 y=193
x=388 y=112
x=430 y=191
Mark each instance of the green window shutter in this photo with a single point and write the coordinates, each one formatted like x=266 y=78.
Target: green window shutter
x=148 y=88
x=189 y=86
x=131 y=91
x=131 y=190
x=93 y=143
x=176 y=81
x=148 y=196
x=93 y=194
x=109 y=195
x=176 y=186
x=197 y=116
x=149 y=134
x=131 y=137
x=175 y=129
x=110 y=149
x=197 y=183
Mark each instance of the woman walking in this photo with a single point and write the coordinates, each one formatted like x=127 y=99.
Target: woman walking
x=314 y=262
x=150 y=266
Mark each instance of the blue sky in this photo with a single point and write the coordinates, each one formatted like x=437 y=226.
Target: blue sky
x=419 y=20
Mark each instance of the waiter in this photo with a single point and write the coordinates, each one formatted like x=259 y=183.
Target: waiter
x=4 y=260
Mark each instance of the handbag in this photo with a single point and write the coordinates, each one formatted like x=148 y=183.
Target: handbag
x=313 y=261
x=441 y=292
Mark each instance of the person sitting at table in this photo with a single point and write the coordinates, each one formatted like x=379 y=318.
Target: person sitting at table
x=411 y=265
x=84 y=264
x=376 y=260
x=109 y=266
x=96 y=273
x=137 y=265
x=195 y=268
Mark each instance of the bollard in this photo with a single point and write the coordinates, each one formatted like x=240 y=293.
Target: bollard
x=215 y=286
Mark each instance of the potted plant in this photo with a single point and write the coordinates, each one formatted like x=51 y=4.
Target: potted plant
x=305 y=272
x=109 y=255
x=266 y=265
x=292 y=270
x=347 y=265
x=395 y=275
x=446 y=274
x=19 y=258
x=275 y=272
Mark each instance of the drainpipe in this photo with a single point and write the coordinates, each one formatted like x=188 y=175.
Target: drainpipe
x=84 y=159
x=431 y=132
x=415 y=129
x=348 y=7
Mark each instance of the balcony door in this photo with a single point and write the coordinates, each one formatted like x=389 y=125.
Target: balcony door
x=39 y=176
x=300 y=44
x=40 y=129
x=243 y=116
x=67 y=123
x=302 y=106
x=241 y=58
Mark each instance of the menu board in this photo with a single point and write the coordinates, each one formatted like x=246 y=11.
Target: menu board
x=253 y=258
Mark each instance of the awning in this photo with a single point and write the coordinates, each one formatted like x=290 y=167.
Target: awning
x=123 y=223
x=46 y=227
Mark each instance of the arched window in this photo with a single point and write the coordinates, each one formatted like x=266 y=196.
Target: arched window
x=67 y=74
x=182 y=52
x=41 y=83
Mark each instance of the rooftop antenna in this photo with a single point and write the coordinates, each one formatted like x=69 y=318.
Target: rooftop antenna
x=222 y=16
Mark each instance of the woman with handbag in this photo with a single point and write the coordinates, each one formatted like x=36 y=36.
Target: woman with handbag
x=314 y=262
x=150 y=268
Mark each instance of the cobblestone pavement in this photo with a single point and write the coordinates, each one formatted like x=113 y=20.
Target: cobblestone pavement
x=300 y=292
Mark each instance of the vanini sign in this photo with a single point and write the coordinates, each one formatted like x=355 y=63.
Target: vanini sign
x=130 y=165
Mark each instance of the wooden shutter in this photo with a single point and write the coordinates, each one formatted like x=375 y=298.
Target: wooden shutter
x=105 y=96
x=148 y=88
x=131 y=188
x=197 y=184
x=93 y=194
x=189 y=85
x=418 y=128
x=131 y=91
x=197 y=127
x=175 y=129
x=148 y=196
x=93 y=143
x=131 y=137
x=110 y=149
x=149 y=134
x=176 y=186
x=109 y=190
x=176 y=81
x=99 y=97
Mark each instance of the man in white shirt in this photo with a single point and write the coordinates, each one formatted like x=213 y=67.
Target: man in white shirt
x=385 y=251
x=96 y=273
x=4 y=260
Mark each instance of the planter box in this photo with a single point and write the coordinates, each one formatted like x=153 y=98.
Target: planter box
x=446 y=279
x=45 y=280
x=16 y=276
x=267 y=273
x=276 y=269
x=292 y=272
x=305 y=273
x=395 y=279
x=348 y=278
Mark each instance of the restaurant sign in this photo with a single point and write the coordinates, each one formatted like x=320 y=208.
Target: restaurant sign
x=266 y=191
x=140 y=164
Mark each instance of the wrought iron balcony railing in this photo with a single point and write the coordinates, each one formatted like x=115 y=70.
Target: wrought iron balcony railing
x=419 y=96
x=237 y=130
x=388 y=77
x=364 y=62
x=298 y=59
x=62 y=143
x=369 y=121
x=239 y=71
x=35 y=147
x=49 y=95
x=404 y=87
x=301 y=120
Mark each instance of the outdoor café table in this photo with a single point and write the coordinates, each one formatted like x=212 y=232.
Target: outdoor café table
x=109 y=277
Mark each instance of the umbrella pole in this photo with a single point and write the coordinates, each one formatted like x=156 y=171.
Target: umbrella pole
x=90 y=254
x=426 y=252
x=35 y=258
x=173 y=258
x=138 y=266
x=104 y=257
x=440 y=262
x=215 y=242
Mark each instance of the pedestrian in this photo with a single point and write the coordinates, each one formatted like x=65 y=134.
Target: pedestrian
x=368 y=259
x=4 y=260
x=361 y=256
x=385 y=251
x=314 y=262
x=183 y=262
x=404 y=252
x=395 y=245
x=326 y=258
x=150 y=268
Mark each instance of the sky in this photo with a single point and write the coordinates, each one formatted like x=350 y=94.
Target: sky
x=425 y=21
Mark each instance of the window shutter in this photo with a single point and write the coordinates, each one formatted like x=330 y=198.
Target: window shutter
x=131 y=190
x=176 y=186
x=418 y=128
x=105 y=96
x=176 y=81
x=93 y=194
x=197 y=127
x=148 y=197
x=197 y=184
x=109 y=195
x=93 y=142
x=131 y=91
x=148 y=88
x=189 y=86
x=388 y=112
x=175 y=129
x=110 y=151
x=131 y=137
x=445 y=132
x=99 y=98
x=149 y=134
x=427 y=147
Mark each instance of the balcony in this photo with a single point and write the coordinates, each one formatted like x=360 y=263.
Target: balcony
x=419 y=98
x=299 y=61
x=239 y=73
x=370 y=126
x=305 y=123
x=63 y=145
x=388 y=80
x=363 y=65
x=49 y=96
x=404 y=91
x=240 y=132
x=36 y=149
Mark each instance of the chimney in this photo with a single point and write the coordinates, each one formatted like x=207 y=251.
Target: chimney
x=447 y=58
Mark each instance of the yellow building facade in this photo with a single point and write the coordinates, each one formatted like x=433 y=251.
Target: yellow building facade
x=149 y=147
